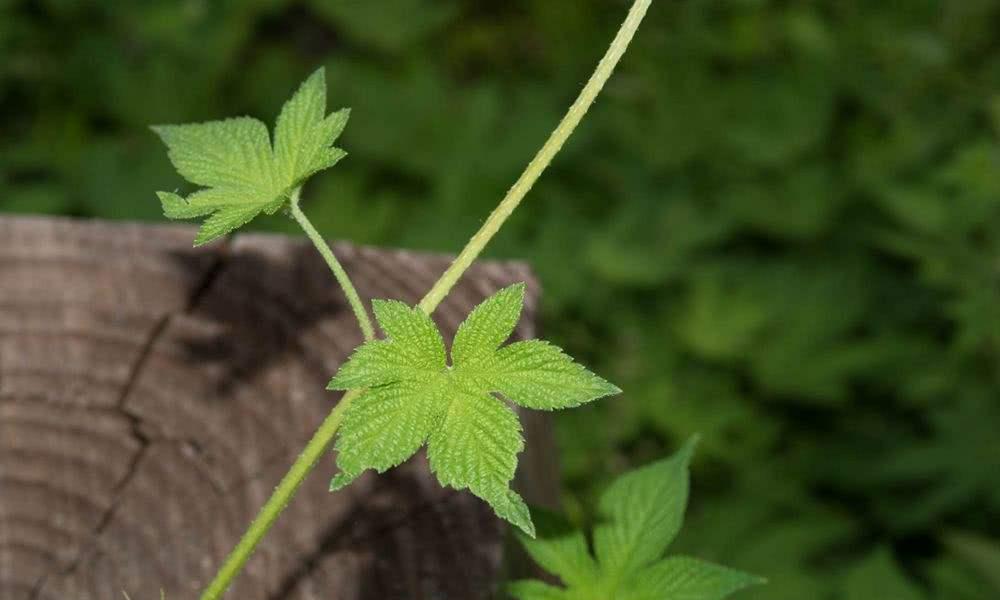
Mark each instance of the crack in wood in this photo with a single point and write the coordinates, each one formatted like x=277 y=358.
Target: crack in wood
x=88 y=546
x=191 y=467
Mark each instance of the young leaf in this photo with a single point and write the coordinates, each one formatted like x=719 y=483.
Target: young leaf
x=562 y=550
x=242 y=174
x=644 y=510
x=684 y=577
x=415 y=397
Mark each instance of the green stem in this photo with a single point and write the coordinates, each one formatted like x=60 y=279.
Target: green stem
x=321 y=440
x=290 y=483
x=364 y=322
x=541 y=160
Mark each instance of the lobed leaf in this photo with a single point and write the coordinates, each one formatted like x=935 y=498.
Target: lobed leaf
x=233 y=153
x=476 y=447
x=243 y=174
x=536 y=374
x=412 y=331
x=488 y=326
x=386 y=425
x=473 y=437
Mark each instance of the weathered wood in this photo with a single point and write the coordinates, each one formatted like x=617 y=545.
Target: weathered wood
x=151 y=396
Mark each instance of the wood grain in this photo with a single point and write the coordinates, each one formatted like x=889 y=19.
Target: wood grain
x=152 y=395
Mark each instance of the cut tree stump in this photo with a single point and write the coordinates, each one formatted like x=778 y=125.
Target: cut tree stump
x=152 y=395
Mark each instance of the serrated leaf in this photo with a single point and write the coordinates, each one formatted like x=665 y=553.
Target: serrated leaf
x=684 y=578
x=536 y=374
x=414 y=395
x=488 y=326
x=476 y=447
x=413 y=333
x=232 y=153
x=644 y=510
x=391 y=424
x=241 y=171
x=176 y=207
x=414 y=348
x=223 y=221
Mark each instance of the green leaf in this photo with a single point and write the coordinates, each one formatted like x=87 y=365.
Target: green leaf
x=232 y=153
x=243 y=175
x=414 y=397
x=644 y=510
x=176 y=207
x=488 y=326
x=390 y=425
x=536 y=374
x=413 y=332
x=561 y=550
x=476 y=447
x=303 y=133
x=684 y=578
x=536 y=590
x=414 y=348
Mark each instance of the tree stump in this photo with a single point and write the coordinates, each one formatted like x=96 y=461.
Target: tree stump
x=152 y=395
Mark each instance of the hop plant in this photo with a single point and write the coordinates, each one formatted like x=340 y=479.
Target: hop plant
x=405 y=390
x=641 y=514
x=459 y=409
x=242 y=173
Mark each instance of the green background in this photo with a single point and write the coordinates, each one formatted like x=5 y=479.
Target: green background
x=779 y=227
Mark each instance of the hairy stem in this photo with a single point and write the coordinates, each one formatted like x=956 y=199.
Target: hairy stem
x=541 y=160
x=364 y=322
x=285 y=491
x=321 y=440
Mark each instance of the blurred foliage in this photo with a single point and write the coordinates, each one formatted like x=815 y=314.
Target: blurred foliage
x=780 y=226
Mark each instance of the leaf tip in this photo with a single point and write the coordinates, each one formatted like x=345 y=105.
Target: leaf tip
x=513 y=509
x=517 y=290
x=611 y=389
x=202 y=238
x=528 y=530
x=341 y=480
x=748 y=580
x=174 y=206
x=687 y=450
x=163 y=132
x=525 y=526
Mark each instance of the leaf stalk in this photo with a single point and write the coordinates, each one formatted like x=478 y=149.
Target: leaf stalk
x=282 y=495
x=353 y=299
x=321 y=440
x=541 y=160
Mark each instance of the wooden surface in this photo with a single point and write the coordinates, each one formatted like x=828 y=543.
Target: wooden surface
x=152 y=395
